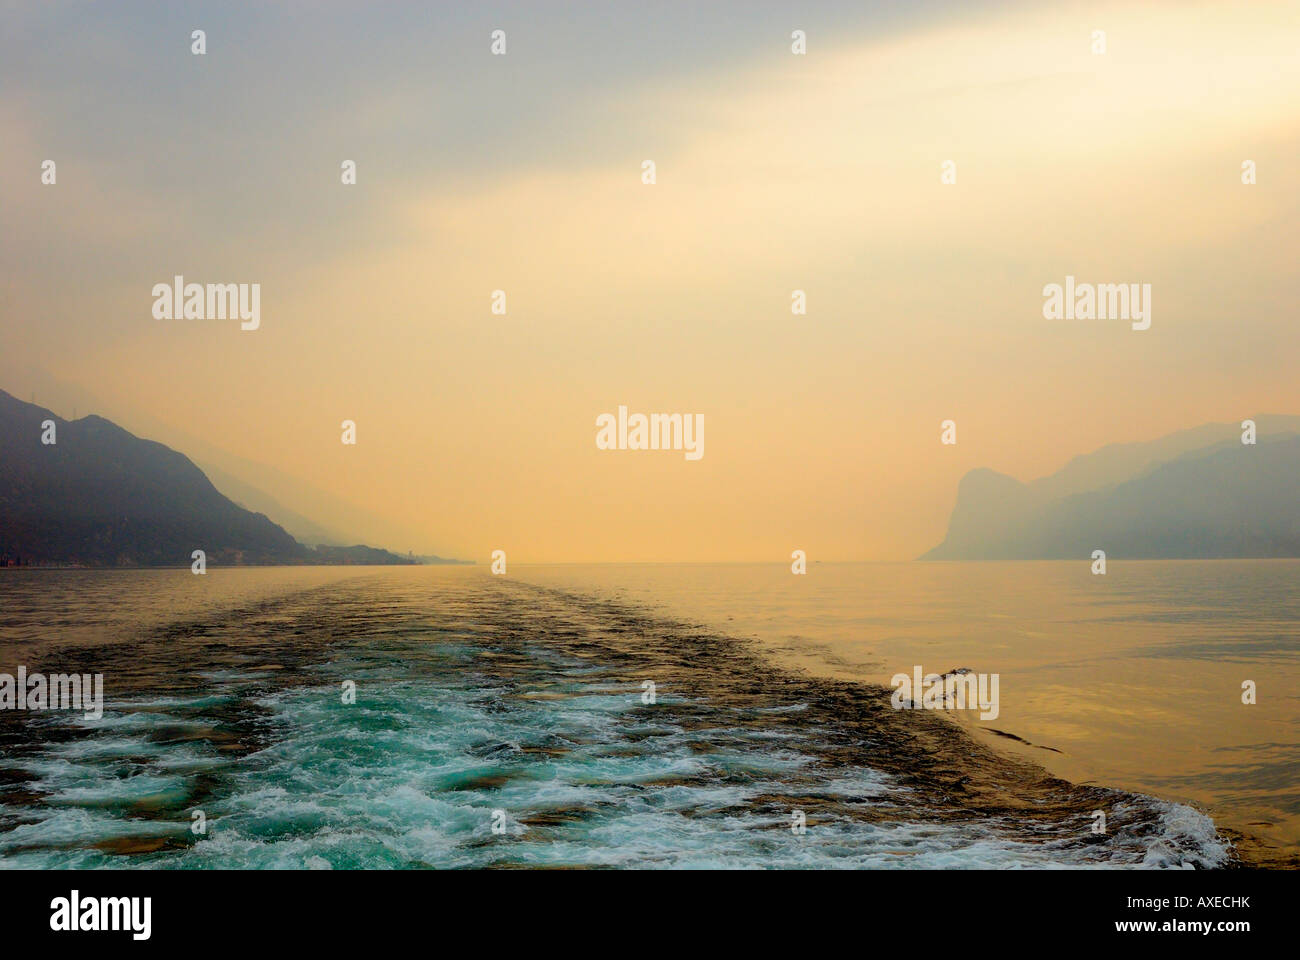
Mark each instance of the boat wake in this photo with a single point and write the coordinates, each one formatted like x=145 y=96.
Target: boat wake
x=499 y=724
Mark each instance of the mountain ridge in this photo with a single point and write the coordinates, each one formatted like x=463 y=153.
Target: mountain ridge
x=1186 y=495
x=101 y=496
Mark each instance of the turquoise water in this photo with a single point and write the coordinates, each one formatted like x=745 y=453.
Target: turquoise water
x=482 y=701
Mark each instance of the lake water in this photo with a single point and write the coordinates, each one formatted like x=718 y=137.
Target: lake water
x=502 y=721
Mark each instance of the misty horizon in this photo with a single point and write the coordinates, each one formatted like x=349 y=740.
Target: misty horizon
x=915 y=180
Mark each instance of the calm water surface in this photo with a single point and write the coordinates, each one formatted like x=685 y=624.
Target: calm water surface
x=1130 y=679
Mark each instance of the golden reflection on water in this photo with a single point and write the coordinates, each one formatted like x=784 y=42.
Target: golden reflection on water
x=1131 y=680
x=1135 y=677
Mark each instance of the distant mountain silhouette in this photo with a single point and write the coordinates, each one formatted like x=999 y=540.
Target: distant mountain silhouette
x=359 y=553
x=100 y=496
x=1197 y=493
x=300 y=527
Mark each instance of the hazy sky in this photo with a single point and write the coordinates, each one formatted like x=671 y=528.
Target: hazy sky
x=775 y=172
